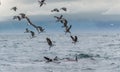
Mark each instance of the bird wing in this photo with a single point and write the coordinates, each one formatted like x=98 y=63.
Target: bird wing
x=42 y=0
x=48 y=59
x=41 y=4
x=61 y=16
x=14 y=17
x=72 y=38
x=70 y=27
x=22 y=15
x=28 y=20
x=19 y=18
x=63 y=8
x=14 y=8
x=76 y=38
x=49 y=41
x=56 y=17
x=65 y=21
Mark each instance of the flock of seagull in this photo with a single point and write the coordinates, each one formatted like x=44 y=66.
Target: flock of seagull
x=40 y=29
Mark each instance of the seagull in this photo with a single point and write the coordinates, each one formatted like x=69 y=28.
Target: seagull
x=55 y=10
x=32 y=34
x=23 y=15
x=56 y=58
x=75 y=39
x=64 y=22
x=41 y=2
x=49 y=42
x=40 y=29
x=58 y=18
x=51 y=60
x=27 y=30
x=68 y=29
x=17 y=17
x=48 y=59
x=14 y=8
x=63 y=8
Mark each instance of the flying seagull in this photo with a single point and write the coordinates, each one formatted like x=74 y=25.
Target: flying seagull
x=40 y=29
x=67 y=29
x=32 y=34
x=48 y=59
x=64 y=22
x=29 y=21
x=14 y=8
x=58 y=18
x=63 y=8
x=51 y=60
x=41 y=2
x=55 y=10
x=23 y=15
x=27 y=30
x=49 y=42
x=17 y=17
x=75 y=39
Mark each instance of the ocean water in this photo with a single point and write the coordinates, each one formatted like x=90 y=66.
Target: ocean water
x=95 y=52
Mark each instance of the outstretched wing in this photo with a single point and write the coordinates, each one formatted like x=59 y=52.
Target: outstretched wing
x=49 y=41
x=70 y=27
x=76 y=38
x=72 y=38
x=28 y=20
x=14 y=8
x=22 y=15
x=63 y=8
x=48 y=59
x=61 y=16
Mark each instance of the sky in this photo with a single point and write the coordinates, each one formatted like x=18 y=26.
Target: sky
x=83 y=15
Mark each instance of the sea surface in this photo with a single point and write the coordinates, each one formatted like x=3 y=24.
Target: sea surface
x=95 y=53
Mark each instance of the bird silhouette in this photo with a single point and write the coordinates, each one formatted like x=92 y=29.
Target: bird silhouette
x=17 y=17
x=23 y=15
x=55 y=10
x=48 y=59
x=27 y=30
x=42 y=2
x=58 y=18
x=56 y=58
x=40 y=29
x=64 y=22
x=63 y=8
x=32 y=34
x=14 y=8
x=29 y=21
x=49 y=42
x=67 y=29
x=51 y=60
x=74 y=39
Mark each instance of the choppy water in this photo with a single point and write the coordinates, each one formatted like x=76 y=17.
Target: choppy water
x=96 y=53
